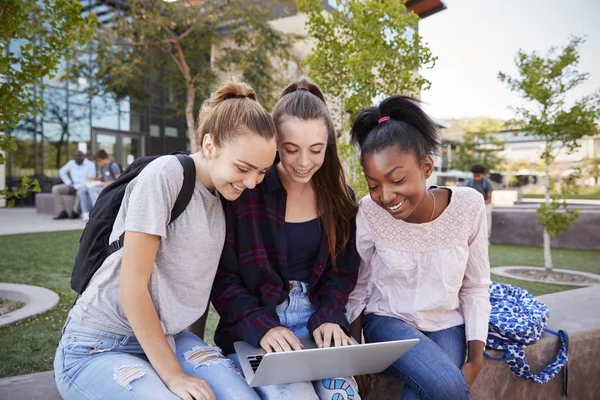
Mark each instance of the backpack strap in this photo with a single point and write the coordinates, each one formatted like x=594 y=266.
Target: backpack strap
x=189 y=183
x=183 y=199
x=110 y=169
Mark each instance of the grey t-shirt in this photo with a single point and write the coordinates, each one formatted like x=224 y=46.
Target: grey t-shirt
x=109 y=172
x=187 y=257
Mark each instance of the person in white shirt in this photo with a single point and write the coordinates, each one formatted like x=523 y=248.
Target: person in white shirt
x=424 y=269
x=74 y=175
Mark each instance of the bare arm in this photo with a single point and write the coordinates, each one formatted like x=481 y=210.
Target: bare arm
x=138 y=260
x=139 y=253
x=474 y=361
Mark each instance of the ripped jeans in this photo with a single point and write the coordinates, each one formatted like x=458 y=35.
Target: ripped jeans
x=93 y=364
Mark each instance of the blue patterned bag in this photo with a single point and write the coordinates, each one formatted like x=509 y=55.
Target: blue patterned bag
x=517 y=321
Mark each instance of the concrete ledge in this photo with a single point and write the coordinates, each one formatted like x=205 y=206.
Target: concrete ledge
x=44 y=203
x=34 y=386
x=37 y=300
x=574 y=311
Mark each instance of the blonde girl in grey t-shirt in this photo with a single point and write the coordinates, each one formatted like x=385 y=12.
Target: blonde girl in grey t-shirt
x=125 y=338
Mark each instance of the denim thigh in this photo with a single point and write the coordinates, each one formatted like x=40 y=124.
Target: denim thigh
x=294 y=314
x=93 y=364
x=427 y=370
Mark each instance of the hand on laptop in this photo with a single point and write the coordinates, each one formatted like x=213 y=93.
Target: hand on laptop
x=280 y=339
x=329 y=331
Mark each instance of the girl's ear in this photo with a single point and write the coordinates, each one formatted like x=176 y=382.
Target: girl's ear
x=208 y=147
x=428 y=166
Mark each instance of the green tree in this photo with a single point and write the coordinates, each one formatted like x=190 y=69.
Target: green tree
x=479 y=145
x=35 y=37
x=544 y=82
x=364 y=50
x=182 y=46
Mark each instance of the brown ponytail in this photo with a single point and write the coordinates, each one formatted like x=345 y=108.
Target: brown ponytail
x=304 y=100
x=231 y=110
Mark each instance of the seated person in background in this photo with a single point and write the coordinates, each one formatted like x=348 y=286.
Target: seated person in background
x=88 y=194
x=74 y=175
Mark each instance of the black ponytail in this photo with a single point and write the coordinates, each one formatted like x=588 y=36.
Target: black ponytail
x=408 y=127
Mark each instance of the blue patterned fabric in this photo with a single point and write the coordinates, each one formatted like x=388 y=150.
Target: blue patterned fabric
x=517 y=321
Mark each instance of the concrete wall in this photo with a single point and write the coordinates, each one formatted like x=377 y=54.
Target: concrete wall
x=515 y=225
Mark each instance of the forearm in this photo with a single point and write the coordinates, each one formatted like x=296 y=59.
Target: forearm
x=475 y=349
x=141 y=314
x=64 y=177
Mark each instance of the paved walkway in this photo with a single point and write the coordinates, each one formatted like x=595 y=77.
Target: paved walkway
x=26 y=220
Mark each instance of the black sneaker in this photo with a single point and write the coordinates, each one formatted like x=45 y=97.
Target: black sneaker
x=62 y=215
x=74 y=215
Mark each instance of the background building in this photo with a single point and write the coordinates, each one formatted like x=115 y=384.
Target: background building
x=73 y=119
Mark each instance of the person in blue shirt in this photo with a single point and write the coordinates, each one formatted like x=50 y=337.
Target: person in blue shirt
x=484 y=186
x=88 y=194
x=74 y=175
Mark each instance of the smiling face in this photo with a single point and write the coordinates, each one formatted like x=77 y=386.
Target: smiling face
x=239 y=164
x=397 y=181
x=302 y=146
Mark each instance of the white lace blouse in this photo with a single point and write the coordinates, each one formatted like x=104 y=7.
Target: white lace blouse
x=432 y=276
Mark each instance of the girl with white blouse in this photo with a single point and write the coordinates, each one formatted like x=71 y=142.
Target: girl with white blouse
x=424 y=269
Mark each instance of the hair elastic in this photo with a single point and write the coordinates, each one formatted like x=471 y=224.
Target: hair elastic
x=383 y=119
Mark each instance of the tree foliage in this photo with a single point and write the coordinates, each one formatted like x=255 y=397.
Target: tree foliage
x=35 y=37
x=477 y=149
x=545 y=82
x=364 y=50
x=182 y=47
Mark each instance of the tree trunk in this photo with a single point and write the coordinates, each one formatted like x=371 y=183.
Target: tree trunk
x=547 y=252
x=189 y=115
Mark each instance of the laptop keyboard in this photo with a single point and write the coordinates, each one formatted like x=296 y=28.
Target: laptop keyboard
x=255 y=362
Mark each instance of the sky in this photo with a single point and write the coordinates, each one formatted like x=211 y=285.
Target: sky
x=475 y=39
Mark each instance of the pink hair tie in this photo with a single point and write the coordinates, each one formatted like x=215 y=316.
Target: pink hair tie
x=383 y=119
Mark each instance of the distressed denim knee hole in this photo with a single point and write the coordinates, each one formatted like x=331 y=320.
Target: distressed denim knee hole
x=126 y=374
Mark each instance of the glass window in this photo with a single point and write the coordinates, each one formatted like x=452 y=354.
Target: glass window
x=107 y=143
x=105 y=113
x=132 y=149
x=154 y=131
x=124 y=121
x=135 y=123
x=79 y=122
x=170 y=131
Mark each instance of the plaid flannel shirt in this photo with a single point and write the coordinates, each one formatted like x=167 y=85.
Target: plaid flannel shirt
x=252 y=276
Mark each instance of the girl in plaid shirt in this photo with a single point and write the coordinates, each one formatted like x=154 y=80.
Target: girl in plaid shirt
x=290 y=261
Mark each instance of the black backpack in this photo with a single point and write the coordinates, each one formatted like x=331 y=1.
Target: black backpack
x=93 y=244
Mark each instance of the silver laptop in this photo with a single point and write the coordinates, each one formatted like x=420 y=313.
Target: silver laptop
x=312 y=363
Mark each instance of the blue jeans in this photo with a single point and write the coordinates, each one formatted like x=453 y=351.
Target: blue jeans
x=93 y=364
x=293 y=314
x=431 y=369
x=88 y=197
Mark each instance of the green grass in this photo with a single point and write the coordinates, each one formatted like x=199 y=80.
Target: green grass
x=46 y=259
x=595 y=196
